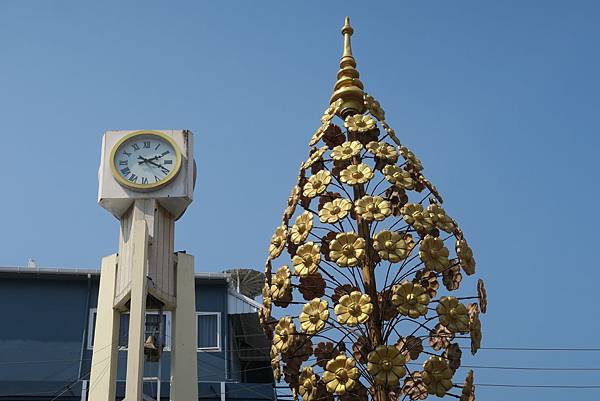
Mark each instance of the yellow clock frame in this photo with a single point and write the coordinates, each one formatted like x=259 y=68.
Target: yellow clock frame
x=145 y=187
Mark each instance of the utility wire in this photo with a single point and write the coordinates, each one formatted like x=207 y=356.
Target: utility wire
x=533 y=386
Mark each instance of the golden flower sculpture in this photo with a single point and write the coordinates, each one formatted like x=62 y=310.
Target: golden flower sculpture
x=386 y=365
x=373 y=273
x=347 y=249
x=346 y=150
x=283 y=335
x=453 y=315
x=434 y=254
x=359 y=123
x=307 y=258
x=468 y=390
x=334 y=211
x=398 y=177
x=301 y=228
x=277 y=241
x=383 y=151
x=356 y=174
x=307 y=384
x=314 y=315
x=353 y=308
x=340 y=374
x=411 y=299
x=393 y=246
x=317 y=184
x=371 y=208
x=437 y=376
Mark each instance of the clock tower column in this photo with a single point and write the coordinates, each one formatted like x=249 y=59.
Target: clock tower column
x=146 y=181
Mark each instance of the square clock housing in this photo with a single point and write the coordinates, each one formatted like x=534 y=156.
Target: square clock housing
x=146 y=164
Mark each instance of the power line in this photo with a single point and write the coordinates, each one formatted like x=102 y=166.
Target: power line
x=541 y=349
x=533 y=386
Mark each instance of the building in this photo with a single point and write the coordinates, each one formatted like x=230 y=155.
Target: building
x=47 y=334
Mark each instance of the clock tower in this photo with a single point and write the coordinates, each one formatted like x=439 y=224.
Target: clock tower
x=146 y=180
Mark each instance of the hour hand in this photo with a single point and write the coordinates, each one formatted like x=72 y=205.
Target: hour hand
x=144 y=160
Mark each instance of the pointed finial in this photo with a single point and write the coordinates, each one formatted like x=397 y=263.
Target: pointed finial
x=348 y=86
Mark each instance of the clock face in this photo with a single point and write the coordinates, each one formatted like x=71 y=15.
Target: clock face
x=145 y=160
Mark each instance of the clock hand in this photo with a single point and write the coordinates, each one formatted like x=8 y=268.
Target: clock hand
x=150 y=159
x=164 y=169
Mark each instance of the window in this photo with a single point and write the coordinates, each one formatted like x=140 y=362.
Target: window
x=209 y=331
x=124 y=329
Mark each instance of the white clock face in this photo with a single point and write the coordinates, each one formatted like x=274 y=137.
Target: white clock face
x=145 y=161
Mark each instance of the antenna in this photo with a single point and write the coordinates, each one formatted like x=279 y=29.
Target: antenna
x=248 y=282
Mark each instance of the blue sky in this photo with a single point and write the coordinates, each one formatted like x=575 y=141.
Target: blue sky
x=498 y=99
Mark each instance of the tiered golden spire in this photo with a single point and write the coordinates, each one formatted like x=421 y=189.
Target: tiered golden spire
x=348 y=86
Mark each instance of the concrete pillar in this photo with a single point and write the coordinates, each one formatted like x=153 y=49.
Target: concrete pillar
x=137 y=313
x=184 y=360
x=103 y=375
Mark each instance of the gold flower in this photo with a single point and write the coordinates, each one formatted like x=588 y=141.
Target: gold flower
x=383 y=151
x=340 y=374
x=374 y=107
x=307 y=259
x=284 y=333
x=413 y=162
x=308 y=384
x=465 y=256
x=393 y=246
x=301 y=228
x=277 y=241
x=410 y=299
x=276 y=367
x=437 y=376
x=482 y=295
x=434 y=254
x=281 y=285
x=346 y=150
x=292 y=202
x=353 y=309
x=453 y=315
x=314 y=315
x=474 y=328
x=414 y=215
x=347 y=249
x=398 y=177
x=468 y=390
x=440 y=218
x=453 y=354
x=356 y=174
x=329 y=113
x=359 y=123
x=316 y=155
x=334 y=211
x=267 y=295
x=386 y=365
x=316 y=184
x=318 y=134
x=371 y=208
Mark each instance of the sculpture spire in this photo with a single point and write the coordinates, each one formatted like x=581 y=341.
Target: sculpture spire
x=348 y=86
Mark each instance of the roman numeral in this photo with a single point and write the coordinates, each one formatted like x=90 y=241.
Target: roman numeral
x=168 y=161
x=144 y=180
x=136 y=146
x=156 y=179
x=133 y=178
x=125 y=171
x=147 y=144
x=122 y=162
x=166 y=152
x=157 y=146
x=126 y=154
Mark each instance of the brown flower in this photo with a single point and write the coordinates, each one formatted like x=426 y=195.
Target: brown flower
x=468 y=390
x=414 y=387
x=325 y=241
x=301 y=349
x=340 y=291
x=440 y=337
x=386 y=306
x=333 y=136
x=453 y=355
x=312 y=286
x=410 y=346
x=451 y=278
x=325 y=351
x=397 y=198
x=360 y=349
x=291 y=371
x=482 y=295
x=428 y=280
x=474 y=328
x=358 y=393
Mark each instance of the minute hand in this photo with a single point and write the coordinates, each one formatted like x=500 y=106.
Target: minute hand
x=164 y=169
